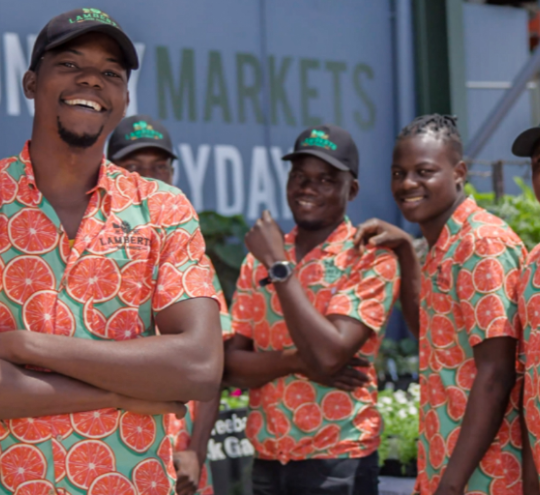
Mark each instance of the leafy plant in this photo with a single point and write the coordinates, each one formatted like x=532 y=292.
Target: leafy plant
x=400 y=412
x=224 y=237
x=397 y=357
x=234 y=398
x=521 y=212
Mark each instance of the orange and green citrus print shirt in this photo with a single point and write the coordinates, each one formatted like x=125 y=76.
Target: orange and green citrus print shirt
x=292 y=418
x=469 y=294
x=529 y=315
x=138 y=250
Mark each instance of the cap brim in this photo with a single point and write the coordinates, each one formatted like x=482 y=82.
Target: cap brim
x=126 y=45
x=138 y=146
x=319 y=154
x=525 y=143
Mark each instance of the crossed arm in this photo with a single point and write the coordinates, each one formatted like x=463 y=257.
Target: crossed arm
x=91 y=374
x=325 y=345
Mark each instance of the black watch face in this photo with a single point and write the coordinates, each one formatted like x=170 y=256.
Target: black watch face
x=279 y=271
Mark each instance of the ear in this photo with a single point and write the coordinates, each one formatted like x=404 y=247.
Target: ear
x=29 y=84
x=353 y=189
x=460 y=174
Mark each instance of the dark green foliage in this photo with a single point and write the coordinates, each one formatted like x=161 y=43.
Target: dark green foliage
x=521 y=212
x=224 y=237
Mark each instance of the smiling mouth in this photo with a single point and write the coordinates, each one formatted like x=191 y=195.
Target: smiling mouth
x=92 y=105
x=306 y=204
x=413 y=199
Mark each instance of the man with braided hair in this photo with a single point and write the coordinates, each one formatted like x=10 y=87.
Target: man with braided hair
x=462 y=304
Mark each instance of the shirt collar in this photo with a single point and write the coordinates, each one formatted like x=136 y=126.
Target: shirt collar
x=333 y=243
x=455 y=223
x=104 y=181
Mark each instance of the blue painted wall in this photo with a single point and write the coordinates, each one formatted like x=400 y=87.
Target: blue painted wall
x=336 y=63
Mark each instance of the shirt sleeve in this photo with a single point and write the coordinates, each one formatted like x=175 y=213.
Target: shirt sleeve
x=487 y=288
x=183 y=271
x=242 y=303
x=370 y=290
x=225 y=319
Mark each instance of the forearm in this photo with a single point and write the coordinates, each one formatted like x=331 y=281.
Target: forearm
x=321 y=346
x=27 y=394
x=409 y=294
x=206 y=414
x=140 y=368
x=490 y=392
x=248 y=369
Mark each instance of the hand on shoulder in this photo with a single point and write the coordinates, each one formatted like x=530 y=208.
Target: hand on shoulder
x=376 y=232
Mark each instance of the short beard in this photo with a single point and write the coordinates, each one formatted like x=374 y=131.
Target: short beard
x=310 y=226
x=77 y=141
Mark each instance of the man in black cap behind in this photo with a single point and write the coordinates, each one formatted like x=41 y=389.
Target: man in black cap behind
x=308 y=305
x=143 y=145
x=92 y=258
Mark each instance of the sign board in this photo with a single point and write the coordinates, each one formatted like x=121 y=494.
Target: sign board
x=235 y=82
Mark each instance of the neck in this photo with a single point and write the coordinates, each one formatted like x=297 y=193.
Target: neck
x=306 y=240
x=62 y=170
x=432 y=228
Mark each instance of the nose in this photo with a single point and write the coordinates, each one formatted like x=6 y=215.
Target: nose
x=91 y=77
x=409 y=182
x=307 y=185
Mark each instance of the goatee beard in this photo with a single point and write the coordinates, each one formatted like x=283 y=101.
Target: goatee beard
x=77 y=140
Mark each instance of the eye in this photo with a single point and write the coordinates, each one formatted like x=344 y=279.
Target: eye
x=396 y=174
x=69 y=65
x=110 y=73
x=294 y=175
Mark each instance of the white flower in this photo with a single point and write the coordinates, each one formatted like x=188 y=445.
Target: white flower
x=402 y=413
x=413 y=410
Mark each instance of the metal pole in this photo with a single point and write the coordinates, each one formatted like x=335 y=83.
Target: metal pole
x=405 y=62
x=490 y=125
x=497 y=176
x=456 y=62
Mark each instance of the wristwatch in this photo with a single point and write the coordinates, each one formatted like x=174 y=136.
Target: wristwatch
x=278 y=272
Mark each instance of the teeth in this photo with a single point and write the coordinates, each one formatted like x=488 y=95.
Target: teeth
x=305 y=203
x=412 y=200
x=85 y=103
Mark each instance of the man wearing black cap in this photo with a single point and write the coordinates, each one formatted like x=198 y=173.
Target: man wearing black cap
x=309 y=306
x=142 y=144
x=527 y=145
x=92 y=258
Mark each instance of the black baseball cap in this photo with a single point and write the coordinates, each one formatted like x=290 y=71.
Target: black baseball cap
x=70 y=25
x=526 y=142
x=137 y=132
x=330 y=143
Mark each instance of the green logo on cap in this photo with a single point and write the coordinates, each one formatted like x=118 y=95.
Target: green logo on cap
x=319 y=139
x=93 y=15
x=143 y=129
